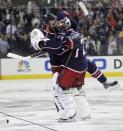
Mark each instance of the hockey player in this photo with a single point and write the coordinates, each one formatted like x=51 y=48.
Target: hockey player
x=68 y=51
x=55 y=67
x=92 y=68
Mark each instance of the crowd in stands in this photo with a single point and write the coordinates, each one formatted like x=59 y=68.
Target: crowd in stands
x=104 y=25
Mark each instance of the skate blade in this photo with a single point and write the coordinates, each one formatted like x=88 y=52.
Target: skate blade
x=66 y=121
x=113 y=88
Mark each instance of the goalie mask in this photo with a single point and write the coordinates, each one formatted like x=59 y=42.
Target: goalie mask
x=64 y=23
x=72 y=19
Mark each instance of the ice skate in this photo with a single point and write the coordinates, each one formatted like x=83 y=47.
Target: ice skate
x=73 y=119
x=111 y=85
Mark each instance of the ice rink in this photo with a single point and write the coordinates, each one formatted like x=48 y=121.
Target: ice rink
x=31 y=100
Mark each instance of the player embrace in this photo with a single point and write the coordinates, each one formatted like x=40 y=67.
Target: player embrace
x=69 y=65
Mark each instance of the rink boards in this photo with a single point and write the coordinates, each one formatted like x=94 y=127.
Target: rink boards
x=40 y=67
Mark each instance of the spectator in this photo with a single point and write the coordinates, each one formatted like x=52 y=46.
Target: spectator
x=11 y=28
x=111 y=20
x=112 y=47
x=4 y=46
x=120 y=41
x=115 y=2
x=104 y=17
x=2 y=27
x=91 y=48
x=36 y=21
x=23 y=43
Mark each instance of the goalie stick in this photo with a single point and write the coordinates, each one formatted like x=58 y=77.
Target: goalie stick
x=83 y=7
x=19 y=57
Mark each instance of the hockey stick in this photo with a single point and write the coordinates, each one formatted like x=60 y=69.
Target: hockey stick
x=41 y=125
x=83 y=7
x=13 y=55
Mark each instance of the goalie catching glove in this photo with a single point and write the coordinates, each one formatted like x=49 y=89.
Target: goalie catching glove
x=37 y=39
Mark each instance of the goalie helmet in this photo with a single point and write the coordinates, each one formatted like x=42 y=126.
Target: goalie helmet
x=62 y=14
x=65 y=23
x=65 y=20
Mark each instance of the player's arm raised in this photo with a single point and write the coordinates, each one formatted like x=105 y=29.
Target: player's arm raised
x=39 y=42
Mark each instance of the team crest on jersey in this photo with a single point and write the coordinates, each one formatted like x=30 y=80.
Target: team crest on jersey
x=23 y=66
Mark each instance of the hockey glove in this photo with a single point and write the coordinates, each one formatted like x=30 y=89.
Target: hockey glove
x=37 y=39
x=69 y=43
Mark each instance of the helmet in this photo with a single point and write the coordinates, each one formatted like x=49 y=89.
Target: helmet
x=49 y=17
x=64 y=20
x=50 y=22
x=65 y=23
x=62 y=14
x=73 y=21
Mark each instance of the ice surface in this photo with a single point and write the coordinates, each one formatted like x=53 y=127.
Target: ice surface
x=31 y=100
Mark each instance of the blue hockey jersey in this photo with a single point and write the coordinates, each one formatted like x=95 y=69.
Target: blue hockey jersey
x=59 y=54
